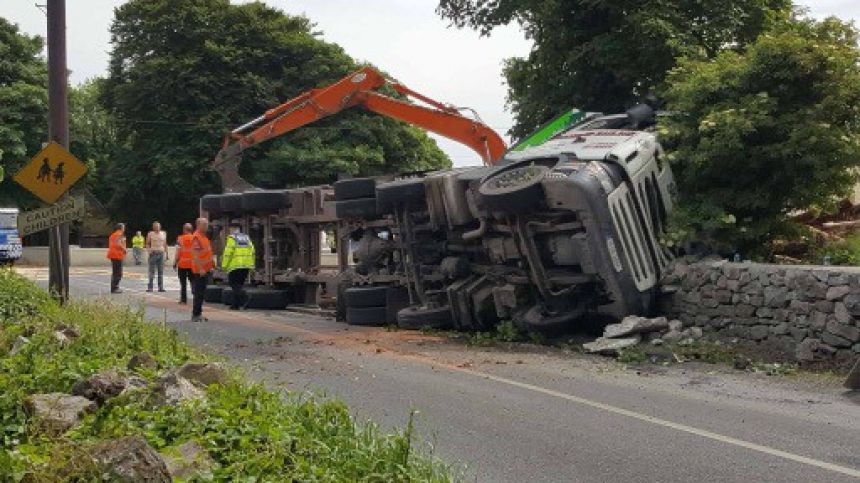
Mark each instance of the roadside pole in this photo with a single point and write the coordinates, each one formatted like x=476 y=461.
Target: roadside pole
x=58 y=130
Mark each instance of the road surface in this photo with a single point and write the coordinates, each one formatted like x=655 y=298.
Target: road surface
x=530 y=413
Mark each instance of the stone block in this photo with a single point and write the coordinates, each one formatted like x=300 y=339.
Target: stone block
x=837 y=279
x=779 y=329
x=799 y=307
x=837 y=292
x=852 y=303
x=834 y=340
x=841 y=314
x=798 y=333
x=759 y=332
x=764 y=312
x=825 y=306
x=848 y=332
x=723 y=296
x=774 y=297
x=744 y=310
x=818 y=320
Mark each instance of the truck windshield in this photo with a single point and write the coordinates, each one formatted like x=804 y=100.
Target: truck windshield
x=8 y=220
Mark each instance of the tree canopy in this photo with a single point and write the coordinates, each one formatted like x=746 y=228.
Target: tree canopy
x=23 y=104
x=605 y=56
x=182 y=72
x=760 y=133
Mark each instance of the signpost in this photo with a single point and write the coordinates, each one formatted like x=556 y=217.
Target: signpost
x=67 y=210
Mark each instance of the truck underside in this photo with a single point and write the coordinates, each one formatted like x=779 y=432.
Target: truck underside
x=553 y=235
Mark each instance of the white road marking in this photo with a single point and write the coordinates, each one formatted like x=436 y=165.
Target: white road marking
x=648 y=419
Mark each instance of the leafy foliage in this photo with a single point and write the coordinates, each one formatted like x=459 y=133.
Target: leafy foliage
x=23 y=103
x=604 y=56
x=763 y=132
x=251 y=433
x=181 y=72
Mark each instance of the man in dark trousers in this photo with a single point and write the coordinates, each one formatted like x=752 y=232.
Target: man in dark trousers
x=202 y=263
x=116 y=255
x=238 y=261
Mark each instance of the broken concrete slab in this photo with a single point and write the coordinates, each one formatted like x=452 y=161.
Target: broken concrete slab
x=58 y=412
x=610 y=346
x=172 y=389
x=635 y=325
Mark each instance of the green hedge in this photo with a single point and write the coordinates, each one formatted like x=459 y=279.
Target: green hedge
x=252 y=434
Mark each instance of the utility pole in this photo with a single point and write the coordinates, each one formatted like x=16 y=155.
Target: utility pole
x=58 y=130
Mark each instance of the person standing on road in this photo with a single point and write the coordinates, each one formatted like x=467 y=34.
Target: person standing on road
x=137 y=243
x=201 y=267
x=156 y=248
x=183 y=260
x=237 y=260
x=116 y=254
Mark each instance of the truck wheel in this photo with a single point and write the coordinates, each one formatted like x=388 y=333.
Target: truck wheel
x=231 y=202
x=227 y=296
x=536 y=320
x=267 y=298
x=213 y=294
x=367 y=316
x=358 y=208
x=211 y=204
x=421 y=317
x=269 y=200
x=409 y=192
x=366 y=296
x=352 y=189
x=515 y=188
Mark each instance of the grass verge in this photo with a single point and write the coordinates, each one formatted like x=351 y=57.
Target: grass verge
x=251 y=433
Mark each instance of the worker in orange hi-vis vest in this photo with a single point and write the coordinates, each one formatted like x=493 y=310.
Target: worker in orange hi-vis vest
x=116 y=254
x=183 y=260
x=202 y=264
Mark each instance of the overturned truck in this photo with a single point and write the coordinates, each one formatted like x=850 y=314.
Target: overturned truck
x=554 y=234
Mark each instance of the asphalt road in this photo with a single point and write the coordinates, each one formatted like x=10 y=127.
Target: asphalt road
x=529 y=413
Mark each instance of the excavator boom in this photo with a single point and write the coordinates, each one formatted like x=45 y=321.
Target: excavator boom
x=357 y=89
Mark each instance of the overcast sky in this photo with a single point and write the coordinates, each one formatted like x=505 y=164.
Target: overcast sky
x=404 y=37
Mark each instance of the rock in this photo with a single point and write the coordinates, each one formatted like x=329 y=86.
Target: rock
x=672 y=336
x=799 y=307
x=130 y=459
x=759 y=332
x=835 y=340
x=741 y=363
x=676 y=325
x=19 y=344
x=171 y=390
x=610 y=346
x=836 y=293
x=70 y=331
x=845 y=331
x=203 y=374
x=696 y=332
x=188 y=461
x=105 y=385
x=779 y=329
x=856 y=348
x=686 y=341
x=57 y=411
x=841 y=313
x=813 y=349
x=142 y=360
x=635 y=325
x=62 y=339
x=659 y=342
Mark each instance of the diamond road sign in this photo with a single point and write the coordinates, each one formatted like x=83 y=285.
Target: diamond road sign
x=51 y=173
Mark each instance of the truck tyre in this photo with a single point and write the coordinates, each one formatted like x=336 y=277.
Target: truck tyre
x=213 y=294
x=421 y=317
x=409 y=192
x=231 y=203
x=367 y=316
x=211 y=204
x=366 y=296
x=352 y=189
x=514 y=188
x=267 y=298
x=269 y=200
x=358 y=208
x=535 y=319
x=227 y=296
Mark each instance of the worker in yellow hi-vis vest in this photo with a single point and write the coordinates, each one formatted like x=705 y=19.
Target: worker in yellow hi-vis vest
x=238 y=261
x=137 y=242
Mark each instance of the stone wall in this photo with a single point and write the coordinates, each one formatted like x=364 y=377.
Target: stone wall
x=808 y=313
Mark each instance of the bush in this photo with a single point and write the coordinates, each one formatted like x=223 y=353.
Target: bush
x=763 y=132
x=250 y=432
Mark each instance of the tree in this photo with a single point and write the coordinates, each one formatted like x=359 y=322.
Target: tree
x=184 y=71
x=93 y=135
x=23 y=105
x=605 y=56
x=764 y=132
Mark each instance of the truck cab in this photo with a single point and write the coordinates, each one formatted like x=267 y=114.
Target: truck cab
x=10 y=242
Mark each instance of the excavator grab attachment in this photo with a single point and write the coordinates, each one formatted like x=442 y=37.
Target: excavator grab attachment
x=357 y=89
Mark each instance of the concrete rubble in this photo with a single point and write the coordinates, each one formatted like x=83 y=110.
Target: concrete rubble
x=633 y=329
x=105 y=385
x=131 y=459
x=58 y=412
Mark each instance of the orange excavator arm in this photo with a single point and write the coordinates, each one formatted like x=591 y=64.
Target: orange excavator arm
x=356 y=89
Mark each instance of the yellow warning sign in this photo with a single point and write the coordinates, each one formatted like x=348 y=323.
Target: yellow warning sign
x=51 y=173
